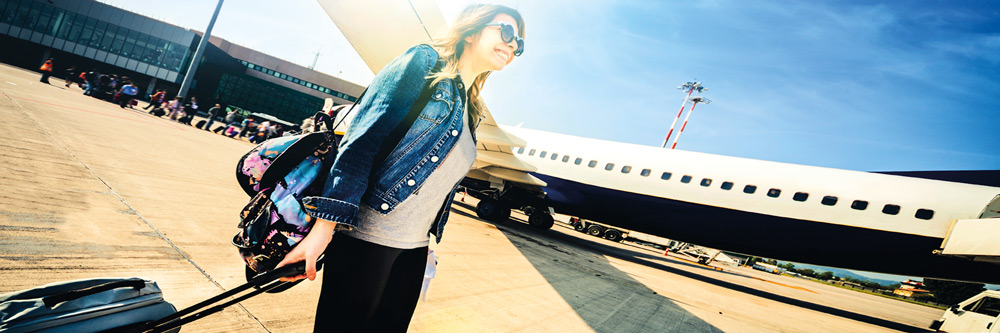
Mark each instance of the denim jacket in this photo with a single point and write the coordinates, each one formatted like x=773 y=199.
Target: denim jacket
x=355 y=176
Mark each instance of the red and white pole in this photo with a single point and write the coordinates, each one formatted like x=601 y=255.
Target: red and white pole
x=666 y=139
x=696 y=100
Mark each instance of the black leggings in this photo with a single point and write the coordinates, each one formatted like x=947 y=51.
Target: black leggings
x=368 y=287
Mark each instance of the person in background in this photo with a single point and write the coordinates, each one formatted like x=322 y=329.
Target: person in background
x=212 y=113
x=175 y=108
x=91 y=80
x=156 y=99
x=70 y=75
x=127 y=93
x=230 y=121
x=190 y=109
x=247 y=127
x=46 y=71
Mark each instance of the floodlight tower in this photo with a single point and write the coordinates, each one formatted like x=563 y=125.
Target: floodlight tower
x=196 y=59
x=690 y=87
x=696 y=100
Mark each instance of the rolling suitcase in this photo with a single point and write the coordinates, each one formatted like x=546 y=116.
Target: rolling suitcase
x=117 y=305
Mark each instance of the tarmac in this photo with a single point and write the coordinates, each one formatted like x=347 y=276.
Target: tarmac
x=88 y=189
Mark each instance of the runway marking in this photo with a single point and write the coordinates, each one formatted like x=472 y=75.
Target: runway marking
x=97 y=113
x=784 y=285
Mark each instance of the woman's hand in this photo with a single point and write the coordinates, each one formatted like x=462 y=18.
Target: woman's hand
x=309 y=249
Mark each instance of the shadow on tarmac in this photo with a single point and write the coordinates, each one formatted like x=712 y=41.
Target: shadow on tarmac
x=520 y=234
x=606 y=298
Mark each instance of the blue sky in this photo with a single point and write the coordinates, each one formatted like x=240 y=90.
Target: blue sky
x=847 y=84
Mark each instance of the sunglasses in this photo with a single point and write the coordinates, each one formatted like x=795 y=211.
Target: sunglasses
x=507 y=35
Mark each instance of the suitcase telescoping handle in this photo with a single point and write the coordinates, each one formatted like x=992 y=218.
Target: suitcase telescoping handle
x=264 y=282
x=53 y=300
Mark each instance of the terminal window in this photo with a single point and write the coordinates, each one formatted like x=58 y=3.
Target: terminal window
x=890 y=209
x=609 y=166
x=686 y=179
x=924 y=214
x=592 y=163
x=626 y=169
x=727 y=186
x=750 y=189
x=859 y=204
x=829 y=200
x=800 y=196
x=666 y=176
x=774 y=193
x=645 y=172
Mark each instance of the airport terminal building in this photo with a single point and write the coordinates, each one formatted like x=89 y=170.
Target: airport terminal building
x=90 y=35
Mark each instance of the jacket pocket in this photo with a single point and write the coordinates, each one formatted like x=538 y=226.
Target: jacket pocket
x=439 y=107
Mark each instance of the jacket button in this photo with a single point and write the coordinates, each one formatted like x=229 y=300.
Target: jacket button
x=411 y=182
x=454 y=132
x=385 y=206
x=434 y=159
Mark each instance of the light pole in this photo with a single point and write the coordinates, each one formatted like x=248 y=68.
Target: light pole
x=193 y=67
x=696 y=100
x=691 y=87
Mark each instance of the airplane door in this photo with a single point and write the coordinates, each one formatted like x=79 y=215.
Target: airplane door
x=978 y=316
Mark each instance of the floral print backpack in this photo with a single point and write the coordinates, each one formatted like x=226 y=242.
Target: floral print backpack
x=277 y=174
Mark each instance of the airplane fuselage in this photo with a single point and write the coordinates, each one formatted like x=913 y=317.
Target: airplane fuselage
x=817 y=215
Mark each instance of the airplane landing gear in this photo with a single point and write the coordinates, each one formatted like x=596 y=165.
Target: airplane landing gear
x=491 y=210
x=540 y=220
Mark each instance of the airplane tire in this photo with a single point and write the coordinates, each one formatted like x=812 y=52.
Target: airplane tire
x=613 y=235
x=490 y=210
x=541 y=221
x=596 y=231
x=579 y=226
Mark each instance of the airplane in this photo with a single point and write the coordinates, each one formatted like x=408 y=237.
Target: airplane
x=890 y=223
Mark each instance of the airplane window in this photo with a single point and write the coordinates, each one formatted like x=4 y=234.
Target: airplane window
x=829 y=200
x=521 y=150
x=859 y=204
x=924 y=214
x=749 y=189
x=609 y=166
x=554 y=156
x=800 y=196
x=542 y=154
x=645 y=172
x=565 y=158
x=531 y=152
x=774 y=193
x=686 y=179
x=665 y=176
x=891 y=209
x=706 y=182
x=626 y=169
x=578 y=161
x=592 y=163
x=727 y=186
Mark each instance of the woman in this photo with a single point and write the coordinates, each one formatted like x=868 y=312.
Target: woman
x=376 y=259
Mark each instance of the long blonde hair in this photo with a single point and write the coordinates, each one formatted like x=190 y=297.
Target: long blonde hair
x=470 y=23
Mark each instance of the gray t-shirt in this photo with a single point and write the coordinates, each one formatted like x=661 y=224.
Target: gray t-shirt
x=407 y=226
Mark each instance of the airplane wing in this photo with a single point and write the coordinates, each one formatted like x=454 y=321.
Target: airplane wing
x=380 y=30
